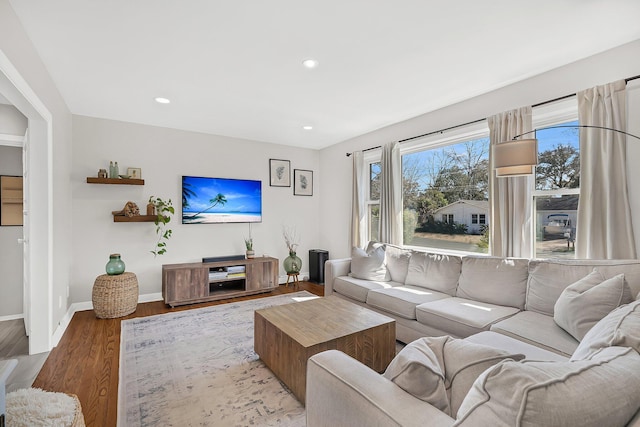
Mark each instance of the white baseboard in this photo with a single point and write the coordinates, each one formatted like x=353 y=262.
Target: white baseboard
x=12 y=317
x=88 y=305
x=303 y=277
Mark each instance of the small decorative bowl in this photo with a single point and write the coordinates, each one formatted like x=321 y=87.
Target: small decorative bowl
x=124 y=176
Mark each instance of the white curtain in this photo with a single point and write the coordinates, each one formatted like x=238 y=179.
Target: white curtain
x=391 y=195
x=604 y=217
x=358 y=202
x=510 y=214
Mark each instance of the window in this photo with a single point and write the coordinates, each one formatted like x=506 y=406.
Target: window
x=478 y=218
x=373 y=202
x=444 y=180
x=557 y=187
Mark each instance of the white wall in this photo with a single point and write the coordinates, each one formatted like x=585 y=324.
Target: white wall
x=51 y=192
x=618 y=63
x=164 y=155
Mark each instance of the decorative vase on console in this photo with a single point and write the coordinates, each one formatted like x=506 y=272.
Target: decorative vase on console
x=249 y=245
x=292 y=264
x=115 y=265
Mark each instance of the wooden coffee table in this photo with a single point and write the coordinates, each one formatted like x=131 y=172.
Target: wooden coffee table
x=287 y=335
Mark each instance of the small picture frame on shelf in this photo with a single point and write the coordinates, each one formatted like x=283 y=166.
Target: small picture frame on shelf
x=279 y=173
x=134 y=173
x=302 y=182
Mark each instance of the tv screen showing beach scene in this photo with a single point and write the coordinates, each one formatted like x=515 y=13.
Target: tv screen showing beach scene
x=220 y=200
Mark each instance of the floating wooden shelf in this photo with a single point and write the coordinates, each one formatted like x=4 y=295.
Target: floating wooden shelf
x=120 y=181
x=137 y=218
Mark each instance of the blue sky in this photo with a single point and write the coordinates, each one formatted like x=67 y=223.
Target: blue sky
x=243 y=196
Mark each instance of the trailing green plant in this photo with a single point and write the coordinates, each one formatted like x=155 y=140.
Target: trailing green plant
x=164 y=210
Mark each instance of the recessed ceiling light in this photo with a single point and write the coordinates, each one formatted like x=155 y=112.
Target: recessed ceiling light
x=310 y=63
x=161 y=100
x=307 y=127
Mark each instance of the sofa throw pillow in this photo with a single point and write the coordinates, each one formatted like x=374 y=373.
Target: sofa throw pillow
x=369 y=264
x=585 y=302
x=417 y=370
x=464 y=362
x=588 y=393
x=397 y=261
x=621 y=327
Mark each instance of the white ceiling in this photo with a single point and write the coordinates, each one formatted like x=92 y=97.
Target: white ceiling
x=234 y=67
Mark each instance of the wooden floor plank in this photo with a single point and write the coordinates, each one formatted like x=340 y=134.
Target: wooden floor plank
x=86 y=360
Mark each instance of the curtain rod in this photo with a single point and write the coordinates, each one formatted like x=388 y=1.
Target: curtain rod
x=627 y=80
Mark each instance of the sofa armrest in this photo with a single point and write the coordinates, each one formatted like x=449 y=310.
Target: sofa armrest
x=335 y=268
x=343 y=392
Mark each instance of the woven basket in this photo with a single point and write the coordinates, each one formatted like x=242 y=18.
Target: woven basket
x=115 y=296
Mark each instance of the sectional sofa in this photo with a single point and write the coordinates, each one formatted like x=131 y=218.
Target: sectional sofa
x=540 y=310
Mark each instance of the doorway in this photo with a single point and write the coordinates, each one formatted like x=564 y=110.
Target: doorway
x=38 y=224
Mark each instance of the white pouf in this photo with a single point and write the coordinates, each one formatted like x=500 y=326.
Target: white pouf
x=32 y=407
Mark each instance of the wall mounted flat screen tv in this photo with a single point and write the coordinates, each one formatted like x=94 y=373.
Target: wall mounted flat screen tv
x=220 y=200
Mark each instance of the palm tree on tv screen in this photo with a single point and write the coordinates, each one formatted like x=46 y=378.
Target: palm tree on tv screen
x=220 y=199
x=187 y=193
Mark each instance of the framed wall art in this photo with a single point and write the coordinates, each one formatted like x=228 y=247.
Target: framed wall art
x=302 y=182
x=135 y=173
x=279 y=173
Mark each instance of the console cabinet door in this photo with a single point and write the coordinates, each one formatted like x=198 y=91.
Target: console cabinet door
x=186 y=284
x=262 y=275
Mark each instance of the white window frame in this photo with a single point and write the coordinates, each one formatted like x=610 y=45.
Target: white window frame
x=556 y=113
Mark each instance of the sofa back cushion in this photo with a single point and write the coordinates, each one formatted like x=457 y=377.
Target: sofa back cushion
x=548 y=278
x=397 y=260
x=604 y=390
x=501 y=281
x=437 y=272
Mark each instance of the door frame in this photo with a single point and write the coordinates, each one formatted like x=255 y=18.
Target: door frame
x=39 y=242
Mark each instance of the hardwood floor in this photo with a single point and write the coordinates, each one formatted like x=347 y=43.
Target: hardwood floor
x=14 y=344
x=85 y=362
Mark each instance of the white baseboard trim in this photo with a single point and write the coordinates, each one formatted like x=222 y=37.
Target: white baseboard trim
x=12 y=317
x=88 y=305
x=303 y=277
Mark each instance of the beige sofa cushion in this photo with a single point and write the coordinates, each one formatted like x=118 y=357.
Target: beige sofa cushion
x=358 y=289
x=464 y=361
x=548 y=278
x=590 y=393
x=538 y=329
x=419 y=370
x=621 y=327
x=501 y=281
x=369 y=264
x=402 y=300
x=397 y=261
x=434 y=271
x=462 y=317
x=441 y=370
x=585 y=302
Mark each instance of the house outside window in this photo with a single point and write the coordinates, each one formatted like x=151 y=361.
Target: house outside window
x=445 y=180
x=557 y=181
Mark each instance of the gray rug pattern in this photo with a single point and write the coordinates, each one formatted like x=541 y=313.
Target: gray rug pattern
x=198 y=368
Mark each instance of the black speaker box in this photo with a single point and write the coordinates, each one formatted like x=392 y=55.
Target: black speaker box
x=223 y=258
x=317 y=258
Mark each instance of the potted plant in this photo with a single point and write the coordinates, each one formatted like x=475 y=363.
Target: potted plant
x=249 y=245
x=163 y=211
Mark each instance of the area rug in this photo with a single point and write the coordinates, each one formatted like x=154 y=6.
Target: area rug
x=198 y=368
